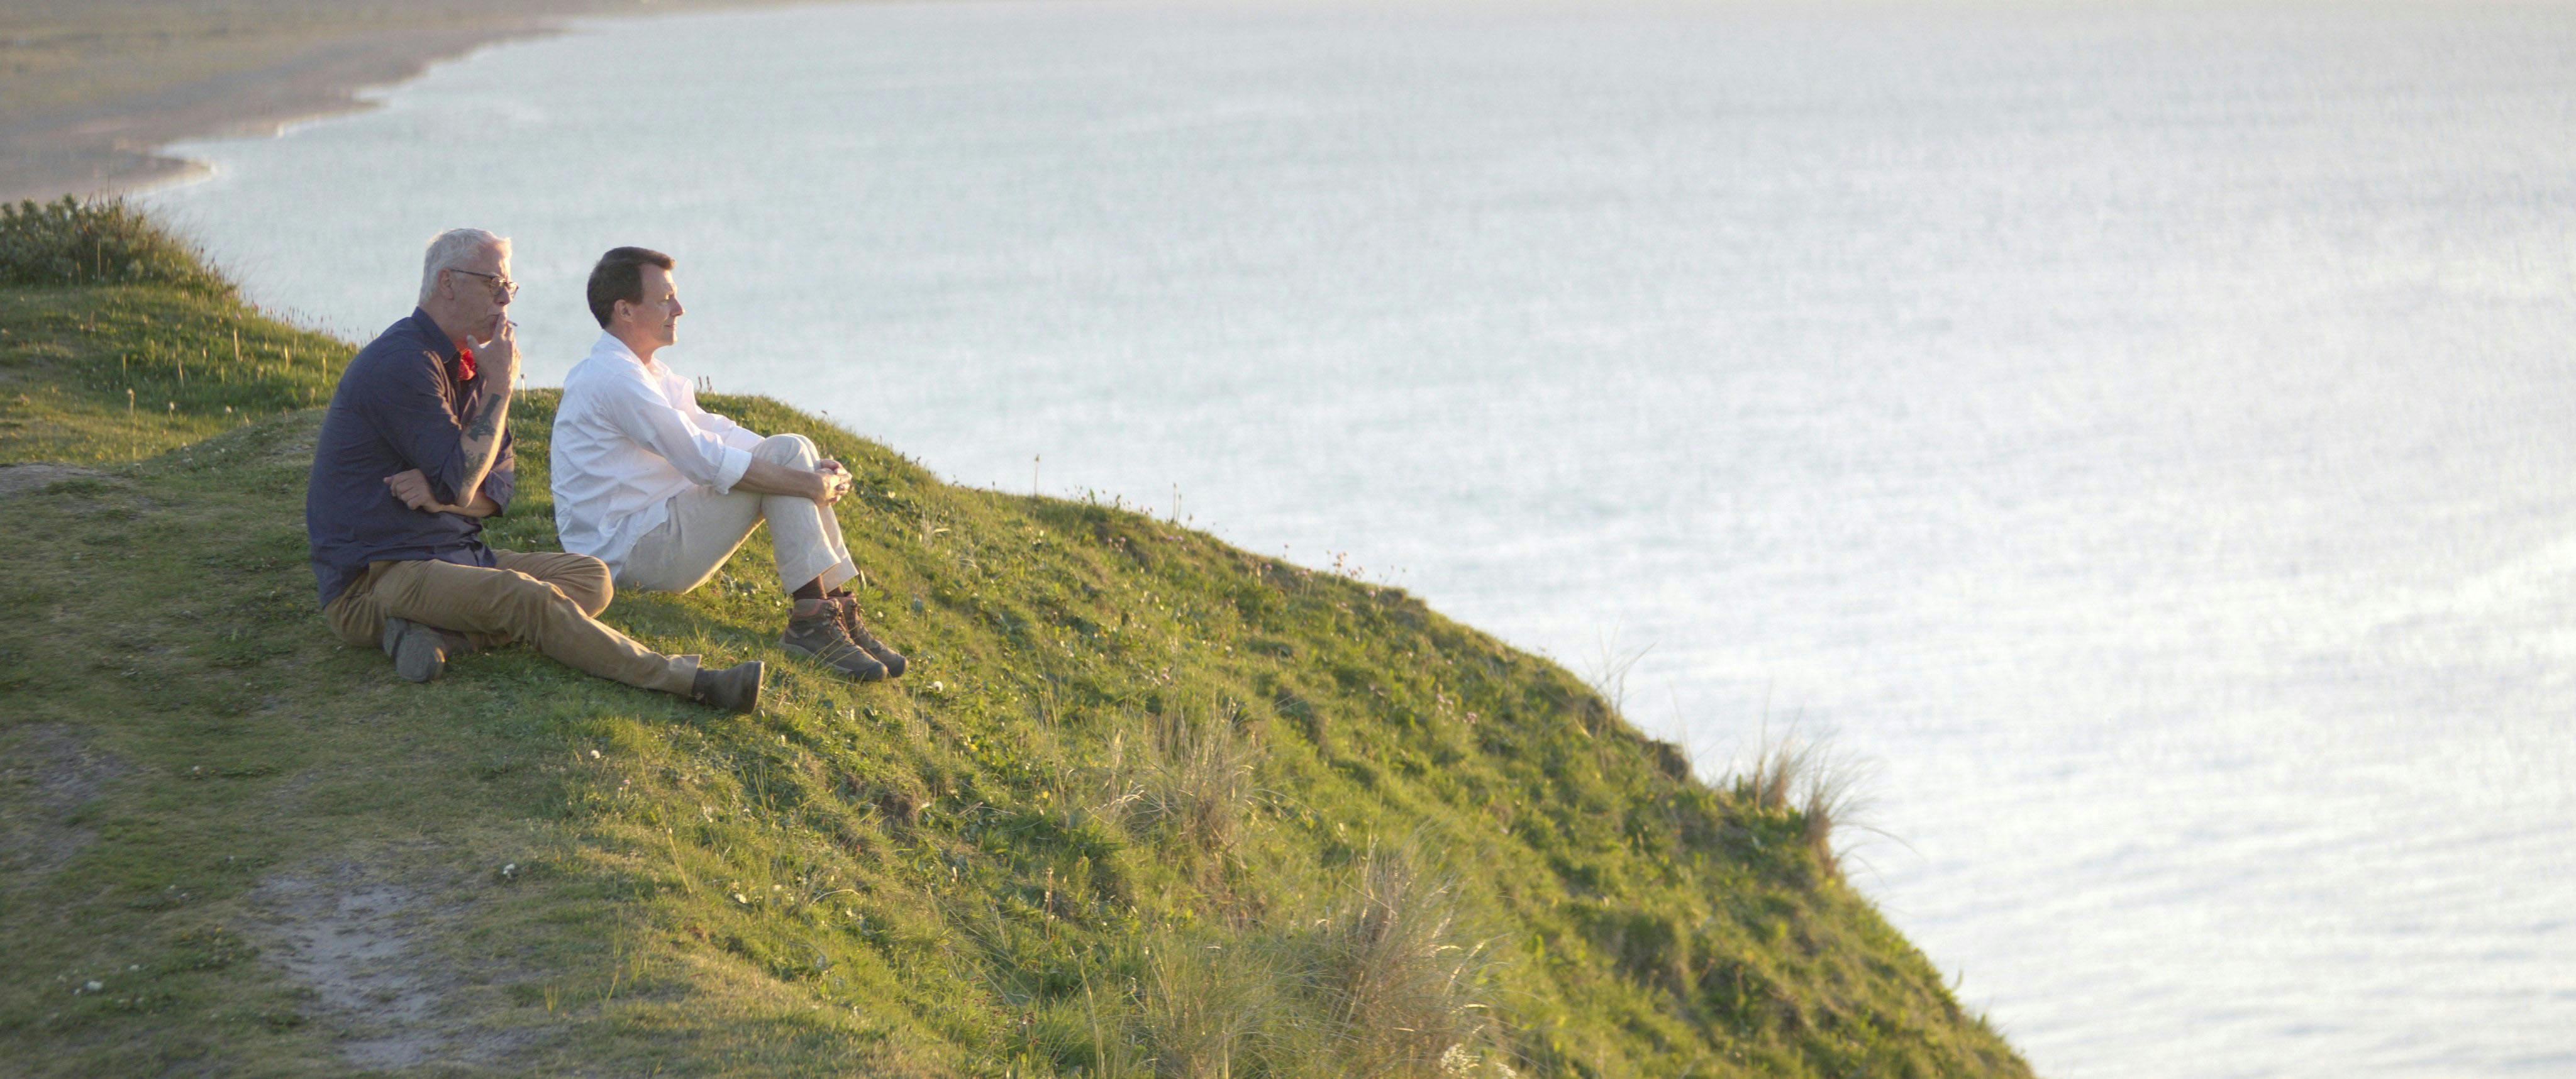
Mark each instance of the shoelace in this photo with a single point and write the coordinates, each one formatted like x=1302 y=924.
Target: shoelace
x=846 y=608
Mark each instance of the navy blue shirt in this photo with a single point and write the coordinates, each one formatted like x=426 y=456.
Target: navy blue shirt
x=400 y=406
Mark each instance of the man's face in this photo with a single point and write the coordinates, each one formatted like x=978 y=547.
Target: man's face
x=657 y=318
x=480 y=290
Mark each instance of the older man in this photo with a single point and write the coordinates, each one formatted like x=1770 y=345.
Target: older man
x=664 y=492
x=414 y=454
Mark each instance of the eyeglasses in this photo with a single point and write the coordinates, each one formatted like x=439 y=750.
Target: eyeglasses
x=503 y=289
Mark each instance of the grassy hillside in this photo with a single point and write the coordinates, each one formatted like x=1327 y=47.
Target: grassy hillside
x=1147 y=804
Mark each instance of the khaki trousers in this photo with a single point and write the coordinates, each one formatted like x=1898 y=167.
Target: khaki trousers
x=704 y=529
x=547 y=600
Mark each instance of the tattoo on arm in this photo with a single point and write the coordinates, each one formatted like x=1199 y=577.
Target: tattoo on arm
x=482 y=440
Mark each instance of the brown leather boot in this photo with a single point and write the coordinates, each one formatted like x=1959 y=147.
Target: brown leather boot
x=820 y=636
x=734 y=689
x=846 y=606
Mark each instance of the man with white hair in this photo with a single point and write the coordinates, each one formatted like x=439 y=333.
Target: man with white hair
x=665 y=492
x=414 y=454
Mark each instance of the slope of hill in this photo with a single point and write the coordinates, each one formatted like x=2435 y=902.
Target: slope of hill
x=1146 y=804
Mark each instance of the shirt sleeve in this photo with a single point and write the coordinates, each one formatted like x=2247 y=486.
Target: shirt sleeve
x=640 y=413
x=733 y=434
x=415 y=418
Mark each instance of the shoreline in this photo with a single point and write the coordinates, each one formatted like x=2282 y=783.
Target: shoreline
x=116 y=147
x=112 y=142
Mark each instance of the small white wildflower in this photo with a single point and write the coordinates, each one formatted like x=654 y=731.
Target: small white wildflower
x=510 y=871
x=594 y=754
x=93 y=987
x=737 y=897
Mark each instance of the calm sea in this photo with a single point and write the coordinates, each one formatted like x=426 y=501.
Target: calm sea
x=2146 y=433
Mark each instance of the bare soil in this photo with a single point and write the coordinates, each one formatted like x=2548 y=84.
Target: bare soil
x=47 y=772
x=365 y=942
x=19 y=479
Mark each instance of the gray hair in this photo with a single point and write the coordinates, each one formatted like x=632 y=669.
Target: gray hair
x=451 y=250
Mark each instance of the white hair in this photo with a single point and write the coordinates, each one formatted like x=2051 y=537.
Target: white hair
x=451 y=250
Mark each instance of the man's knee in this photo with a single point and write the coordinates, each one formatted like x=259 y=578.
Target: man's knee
x=528 y=600
x=788 y=450
x=580 y=576
x=588 y=583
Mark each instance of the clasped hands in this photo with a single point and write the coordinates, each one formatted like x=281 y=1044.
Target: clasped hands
x=412 y=489
x=836 y=481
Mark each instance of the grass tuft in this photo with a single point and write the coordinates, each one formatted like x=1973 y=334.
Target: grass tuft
x=1205 y=1004
x=1198 y=782
x=106 y=241
x=1405 y=978
x=1824 y=789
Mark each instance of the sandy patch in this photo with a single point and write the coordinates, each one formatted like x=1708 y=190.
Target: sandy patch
x=91 y=90
x=108 y=146
x=366 y=945
x=19 y=479
x=46 y=773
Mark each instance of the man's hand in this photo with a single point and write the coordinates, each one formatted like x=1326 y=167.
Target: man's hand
x=412 y=489
x=829 y=486
x=837 y=477
x=498 y=358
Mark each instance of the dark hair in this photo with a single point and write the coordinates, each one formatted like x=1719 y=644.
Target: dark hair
x=620 y=276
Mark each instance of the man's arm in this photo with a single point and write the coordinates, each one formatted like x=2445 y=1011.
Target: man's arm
x=454 y=454
x=723 y=427
x=412 y=489
x=629 y=402
x=489 y=419
x=772 y=478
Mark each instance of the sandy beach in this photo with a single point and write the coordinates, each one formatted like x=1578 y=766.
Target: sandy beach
x=90 y=92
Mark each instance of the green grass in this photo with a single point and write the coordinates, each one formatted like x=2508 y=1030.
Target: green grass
x=1146 y=804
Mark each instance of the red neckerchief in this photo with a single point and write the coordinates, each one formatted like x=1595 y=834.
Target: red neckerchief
x=464 y=363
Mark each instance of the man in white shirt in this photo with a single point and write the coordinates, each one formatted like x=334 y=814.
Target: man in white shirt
x=664 y=492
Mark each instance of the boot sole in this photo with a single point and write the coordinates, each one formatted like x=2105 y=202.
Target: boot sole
x=861 y=675
x=418 y=651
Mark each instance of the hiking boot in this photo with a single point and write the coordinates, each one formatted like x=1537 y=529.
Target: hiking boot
x=847 y=607
x=419 y=652
x=820 y=636
x=734 y=689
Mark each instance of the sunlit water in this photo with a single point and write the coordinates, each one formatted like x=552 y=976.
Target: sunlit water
x=2145 y=434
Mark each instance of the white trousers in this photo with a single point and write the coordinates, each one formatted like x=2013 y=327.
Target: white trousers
x=704 y=529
